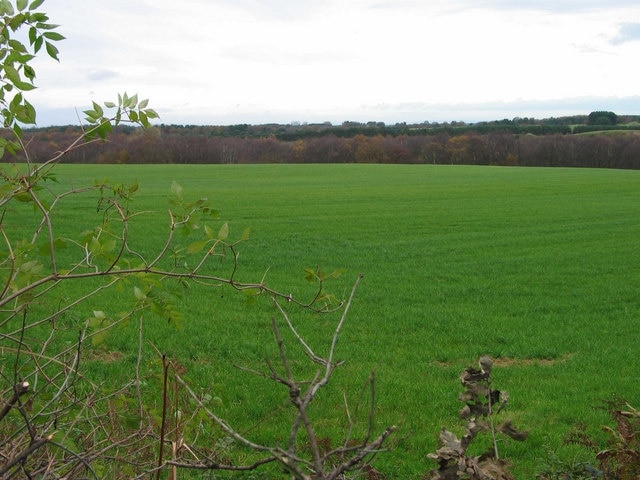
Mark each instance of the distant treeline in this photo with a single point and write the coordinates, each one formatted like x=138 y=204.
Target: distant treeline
x=601 y=139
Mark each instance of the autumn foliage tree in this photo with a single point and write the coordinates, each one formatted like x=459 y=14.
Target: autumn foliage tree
x=205 y=145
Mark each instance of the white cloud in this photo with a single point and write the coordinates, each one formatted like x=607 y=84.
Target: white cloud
x=627 y=32
x=203 y=61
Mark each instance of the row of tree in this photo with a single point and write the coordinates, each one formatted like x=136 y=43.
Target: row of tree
x=178 y=145
x=595 y=121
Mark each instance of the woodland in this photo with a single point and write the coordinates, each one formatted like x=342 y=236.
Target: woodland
x=597 y=140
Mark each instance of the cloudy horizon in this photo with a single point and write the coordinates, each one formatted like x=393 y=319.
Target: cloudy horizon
x=224 y=62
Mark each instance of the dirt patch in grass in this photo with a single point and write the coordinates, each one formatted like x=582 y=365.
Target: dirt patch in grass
x=516 y=362
x=104 y=356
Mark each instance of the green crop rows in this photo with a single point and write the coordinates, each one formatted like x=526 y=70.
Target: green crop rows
x=538 y=268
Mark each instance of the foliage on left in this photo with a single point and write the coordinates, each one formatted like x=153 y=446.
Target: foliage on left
x=17 y=74
x=55 y=422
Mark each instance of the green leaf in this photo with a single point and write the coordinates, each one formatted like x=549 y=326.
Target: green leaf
x=33 y=34
x=223 y=233
x=46 y=26
x=151 y=113
x=91 y=115
x=143 y=104
x=22 y=4
x=11 y=73
x=103 y=129
x=251 y=295
x=109 y=104
x=24 y=86
x=16 y=22
x=38 y=17
x=35 y=4
x=16 y=102
x=25 y=113
x=98 y=338
x=138 y=294
x=196 y=247
x=31 y=113
x=127 y=102
x=14 y=77
x=176 y=189
x=6 y=8
x=310 y=275
x=32 y=267
x=17 y=46
x=13 y=147
x=94 y=322
x=37 y=44
x=144 y=121
x=60 y=244
x=52 y=50
x=29 y=72
x=55 y=36
x=98 y=109
x=108 y=245
x=45 y=248
x=245 y=234
x=23 y=197
x=94 y=246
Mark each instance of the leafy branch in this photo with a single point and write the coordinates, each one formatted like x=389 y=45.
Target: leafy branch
x=17 y=74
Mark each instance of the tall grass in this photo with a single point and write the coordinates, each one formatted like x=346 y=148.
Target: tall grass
x=538 y=268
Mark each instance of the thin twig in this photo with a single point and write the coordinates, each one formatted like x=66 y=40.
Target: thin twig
x=138 y=378
x=165 y=373
x=491 y=421
x=35 y=445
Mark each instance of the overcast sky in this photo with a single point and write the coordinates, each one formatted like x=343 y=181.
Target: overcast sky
x=283 y=61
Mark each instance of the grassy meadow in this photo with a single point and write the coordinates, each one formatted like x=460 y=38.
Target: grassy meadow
x=538 y=268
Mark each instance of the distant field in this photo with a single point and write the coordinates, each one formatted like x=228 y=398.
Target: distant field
x=539 y=268
x=611 y=132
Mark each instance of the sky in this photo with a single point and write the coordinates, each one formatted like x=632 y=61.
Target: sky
x=222 y=62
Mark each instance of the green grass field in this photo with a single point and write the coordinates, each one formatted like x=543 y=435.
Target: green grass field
x=538 y=268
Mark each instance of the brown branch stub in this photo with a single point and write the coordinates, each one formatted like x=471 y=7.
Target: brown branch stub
x=18 y=390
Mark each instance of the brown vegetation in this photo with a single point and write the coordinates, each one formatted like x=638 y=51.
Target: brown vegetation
x=208 y=145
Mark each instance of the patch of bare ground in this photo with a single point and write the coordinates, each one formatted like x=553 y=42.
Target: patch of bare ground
x=517 y=362
x=104 y=356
